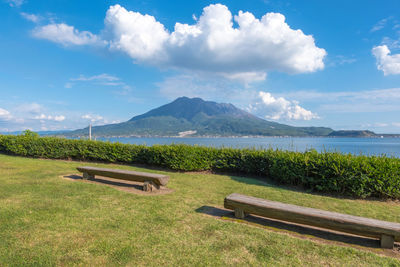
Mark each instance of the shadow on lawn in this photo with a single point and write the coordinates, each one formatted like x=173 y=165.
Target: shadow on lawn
x=109 y=181
x=291 y=228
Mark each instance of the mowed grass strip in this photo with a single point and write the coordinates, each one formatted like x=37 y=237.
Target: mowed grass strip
x=46 y=220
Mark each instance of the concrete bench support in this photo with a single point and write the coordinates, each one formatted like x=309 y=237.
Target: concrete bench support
x=151 y=181
x=239 y=213
x=387 y=241
x=387 y=232
x=149 y=186
x=88 y=176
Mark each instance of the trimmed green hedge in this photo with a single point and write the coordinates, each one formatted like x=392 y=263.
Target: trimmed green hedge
x=330 y=172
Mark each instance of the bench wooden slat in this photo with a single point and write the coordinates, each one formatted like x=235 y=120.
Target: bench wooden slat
x=158 y=179
x=314 y=217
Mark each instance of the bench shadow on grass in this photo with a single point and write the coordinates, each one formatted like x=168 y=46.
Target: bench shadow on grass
x=109 y=181
x=291 y=228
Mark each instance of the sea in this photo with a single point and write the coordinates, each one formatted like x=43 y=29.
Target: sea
x=359 y=146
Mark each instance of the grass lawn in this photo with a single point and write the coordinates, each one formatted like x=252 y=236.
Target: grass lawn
x=47 y=220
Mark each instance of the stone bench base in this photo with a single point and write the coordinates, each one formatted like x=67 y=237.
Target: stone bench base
x=87 y=176
x=149 y=186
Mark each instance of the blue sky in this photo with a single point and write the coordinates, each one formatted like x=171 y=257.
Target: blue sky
x=64 y=63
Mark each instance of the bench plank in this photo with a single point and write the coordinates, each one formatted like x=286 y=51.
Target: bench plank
x=314 y=217
x=157 y=179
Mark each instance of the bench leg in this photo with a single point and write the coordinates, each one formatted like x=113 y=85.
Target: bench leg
x=87 y=176
x=149 y=186
x=387 y=241
x=239 y=213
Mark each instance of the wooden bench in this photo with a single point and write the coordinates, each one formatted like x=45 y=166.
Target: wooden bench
x=151 y=181
x=387 y=232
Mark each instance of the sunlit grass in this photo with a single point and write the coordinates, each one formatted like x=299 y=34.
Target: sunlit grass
x=47 y=220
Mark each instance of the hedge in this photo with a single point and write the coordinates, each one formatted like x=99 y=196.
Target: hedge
x=329 y=172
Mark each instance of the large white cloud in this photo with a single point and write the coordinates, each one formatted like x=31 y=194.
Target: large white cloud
x=213 y=44
x=140 y=36
x=389 y=64
x=65 y=35
x=279 y=108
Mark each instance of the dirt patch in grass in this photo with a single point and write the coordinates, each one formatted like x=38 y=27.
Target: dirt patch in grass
x=122 y=185
x=315 y=234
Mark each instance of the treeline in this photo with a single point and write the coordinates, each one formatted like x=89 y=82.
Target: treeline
x=329 y=172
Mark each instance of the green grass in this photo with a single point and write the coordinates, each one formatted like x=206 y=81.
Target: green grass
x=46 y=220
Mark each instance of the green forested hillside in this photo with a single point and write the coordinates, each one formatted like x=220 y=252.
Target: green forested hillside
x=202 y=118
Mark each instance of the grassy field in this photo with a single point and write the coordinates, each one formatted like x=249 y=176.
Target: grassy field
x=46 y=220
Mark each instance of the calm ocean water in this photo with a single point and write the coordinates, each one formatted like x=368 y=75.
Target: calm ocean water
x=366 y=146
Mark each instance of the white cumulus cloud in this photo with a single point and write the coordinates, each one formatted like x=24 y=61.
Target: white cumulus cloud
x=364 y=101
x=4 y=114
x=32 y=108
x=92 y=117
x=57 y=118
x=96 y=119
x=140 y=36
x=389 y=64
x=213 y=44
x=15 y=3
x=380 y=24
x=240 y=47
x=100 y=77
x=65 y=35
x=273 y=108
x=31 y=17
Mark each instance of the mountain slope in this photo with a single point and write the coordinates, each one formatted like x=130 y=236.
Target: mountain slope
x=191 y=108
x=203 y=117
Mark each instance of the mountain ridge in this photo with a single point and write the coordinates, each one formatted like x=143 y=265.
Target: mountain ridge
x=196 y=117
x=184 y=107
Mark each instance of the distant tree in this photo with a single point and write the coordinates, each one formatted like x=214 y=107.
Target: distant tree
x=29 y=133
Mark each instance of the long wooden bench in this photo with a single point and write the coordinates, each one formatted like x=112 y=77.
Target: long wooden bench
x=387 y=232
x=151 y=181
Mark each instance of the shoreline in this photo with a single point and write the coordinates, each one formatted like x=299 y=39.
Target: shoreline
x=238 y=136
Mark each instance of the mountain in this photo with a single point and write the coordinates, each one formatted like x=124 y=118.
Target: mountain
x=196 y=117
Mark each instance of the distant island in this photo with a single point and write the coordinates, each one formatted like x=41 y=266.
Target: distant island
x=353 y=133
x=196 y=117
